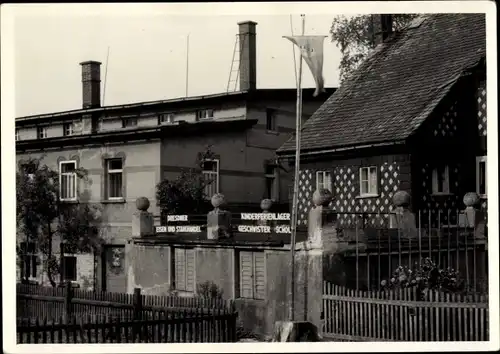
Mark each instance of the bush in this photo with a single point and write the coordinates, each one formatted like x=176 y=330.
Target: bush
x=425 y=276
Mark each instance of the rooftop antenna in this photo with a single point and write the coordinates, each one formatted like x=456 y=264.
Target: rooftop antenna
x=105 y=78
x=187 y=64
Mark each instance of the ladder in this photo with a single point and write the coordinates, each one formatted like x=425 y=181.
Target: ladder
x=235 y=66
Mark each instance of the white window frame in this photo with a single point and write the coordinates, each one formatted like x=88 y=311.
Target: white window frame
x=271 y=116
x=108 y=180
x=208 y=174
x=69 y=176
x=479 y=160
x=41 y=132
x=166 y=118
x=327 y=180
x=203 y=114
x=185 y=265
x=446 y=181
x=275 y=187
x=254 y=295
x=369 y=192
x=68 y=129
x=33 y=257
x=17 y=134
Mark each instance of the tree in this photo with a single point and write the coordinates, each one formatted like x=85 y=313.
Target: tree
x=41 y=216
x=355 y=36
x=185 y=194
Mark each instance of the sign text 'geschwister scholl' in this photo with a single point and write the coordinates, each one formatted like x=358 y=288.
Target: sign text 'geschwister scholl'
x=272 y=217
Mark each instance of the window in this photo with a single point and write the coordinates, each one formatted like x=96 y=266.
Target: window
x=28 y=260
x=270 y=119
x=129 y=122
x=67 y=180
x=184 y=268
x=368 y=185
x=251 y=275
x=114 y=182
x=68 y=129
x=211 y=177
x=205 y=114
x=17 y=134
x=481 y=176
x=167 y=118
x=440 y=180
x=323 y=180
x=69 y=268
x=272 y=188
x=41 y=132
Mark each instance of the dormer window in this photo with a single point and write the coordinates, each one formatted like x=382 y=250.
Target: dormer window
x=166 y=118
x=129 y=122
x=205 y=114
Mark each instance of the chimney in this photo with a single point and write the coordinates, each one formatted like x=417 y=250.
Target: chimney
x=91 y=84
x=382 y=27
x=248 y=56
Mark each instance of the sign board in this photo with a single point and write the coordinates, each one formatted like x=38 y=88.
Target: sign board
x=266 y=223
x=178 y=228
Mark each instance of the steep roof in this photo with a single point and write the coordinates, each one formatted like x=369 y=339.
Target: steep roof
x=398 y=85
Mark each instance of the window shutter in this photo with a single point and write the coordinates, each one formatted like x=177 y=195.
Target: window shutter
x=446 y=183
x=246 y=282
x=180 y=271
x=259 y=270
x=190 y=267
x=373 y=180
x=435 y=181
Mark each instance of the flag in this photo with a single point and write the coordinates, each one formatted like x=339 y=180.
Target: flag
x=311 y=49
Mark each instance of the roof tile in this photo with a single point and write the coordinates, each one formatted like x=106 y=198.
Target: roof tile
x=398 y=85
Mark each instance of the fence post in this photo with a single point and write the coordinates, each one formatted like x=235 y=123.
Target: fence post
x=137 y=304
x=68 y=306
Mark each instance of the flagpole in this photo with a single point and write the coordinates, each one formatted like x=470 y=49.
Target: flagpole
x=187 y=64
x=298 y=127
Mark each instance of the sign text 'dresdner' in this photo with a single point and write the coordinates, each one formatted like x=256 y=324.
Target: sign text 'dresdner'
x=178 y=228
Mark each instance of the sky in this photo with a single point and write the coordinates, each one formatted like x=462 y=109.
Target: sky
x=147 y=55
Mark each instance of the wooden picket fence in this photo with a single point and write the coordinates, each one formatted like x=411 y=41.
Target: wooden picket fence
x=402 y=315
x=161 y=327
x=34 y=301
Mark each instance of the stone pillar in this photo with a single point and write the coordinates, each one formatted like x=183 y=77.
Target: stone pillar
x=321 y=241
x=402 y=218
x=266 y=205
x=142 y=226
x=142 y=220
x=218 y=220
x=472 y=216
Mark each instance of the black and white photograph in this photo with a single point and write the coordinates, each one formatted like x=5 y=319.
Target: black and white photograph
x=249 y=173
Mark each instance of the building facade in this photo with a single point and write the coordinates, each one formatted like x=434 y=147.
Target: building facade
x=128 y=149
x=412 y=118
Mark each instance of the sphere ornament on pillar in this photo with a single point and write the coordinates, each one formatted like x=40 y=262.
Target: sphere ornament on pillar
x=471 y=199
x=142 y=203
x=322 y=197
x=218 y=200
x=401 y=199
x=266 y=204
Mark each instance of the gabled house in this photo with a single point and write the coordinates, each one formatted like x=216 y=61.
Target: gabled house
x=128 y=149
x=412 y=117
